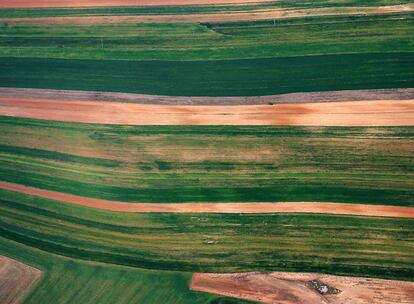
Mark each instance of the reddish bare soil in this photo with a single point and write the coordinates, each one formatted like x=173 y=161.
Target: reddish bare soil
x=355 y=113
x=297 y=288
x=92 y=3
x=16 y=279
x=285 y=207
x=242 y=16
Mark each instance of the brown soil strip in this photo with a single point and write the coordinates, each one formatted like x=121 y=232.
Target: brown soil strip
x=292 y=98
x=16 y=280
x=353 y=113
x=285 y=207
x=244 y=16
x=304 y=288
x=96 y=3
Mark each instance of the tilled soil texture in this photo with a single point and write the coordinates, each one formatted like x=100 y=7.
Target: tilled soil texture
x=292 y=98
x=276 y=13
x=355 y=113
x=305 y=288
x=290 y=207
x=96 y=3
x=16 y=279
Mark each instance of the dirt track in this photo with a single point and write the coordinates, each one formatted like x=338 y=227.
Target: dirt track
x=16 y=279
x=285 y=207
x=297 y=288
x=353 y=113
x=245 y=16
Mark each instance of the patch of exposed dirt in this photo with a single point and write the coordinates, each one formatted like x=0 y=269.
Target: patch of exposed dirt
x=277 y=13
x=304 y=288
x=289 y=207
x=292 y=98
x=353 y=113
x=16 y=280
x=96 y=3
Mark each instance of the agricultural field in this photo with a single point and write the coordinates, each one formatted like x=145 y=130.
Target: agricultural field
x=181 y=242
x=207 y=152
x=173 y=164
x=16 y=279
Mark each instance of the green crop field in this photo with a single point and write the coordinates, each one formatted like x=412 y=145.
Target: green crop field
x=213 y=59
x=67 y=280
x=206 y=163
x=94 y=256
x=236 y=40
x=214 y=78
x=301 y=242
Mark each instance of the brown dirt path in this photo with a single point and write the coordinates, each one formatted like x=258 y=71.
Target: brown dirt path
x=353 y=113
x=16 y=279
x=301 y=288
x=277 y=13
x=283 y=207
x=96 y=3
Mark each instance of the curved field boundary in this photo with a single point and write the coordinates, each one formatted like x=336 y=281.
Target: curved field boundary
x=291 y=98
x=302 y=288
x=353 y=113
x=283 y=207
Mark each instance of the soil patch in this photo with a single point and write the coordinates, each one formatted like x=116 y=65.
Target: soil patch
x=16 y=280
x=304 y=288
x=277 y=13
x=96 y=3
x=291 y=98
x=353 y=113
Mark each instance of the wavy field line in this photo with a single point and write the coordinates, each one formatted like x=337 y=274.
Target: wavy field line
x=280 y=207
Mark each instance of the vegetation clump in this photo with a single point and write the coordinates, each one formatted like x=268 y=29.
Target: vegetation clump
x=323 y=288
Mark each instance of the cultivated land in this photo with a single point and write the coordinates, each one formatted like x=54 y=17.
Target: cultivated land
x=214 y=78
x=67 y=280
x=274 y=14
x=360 y=113
x=353 y=57
x=207 y=41
x=284 y=288
x=294 y=207
x=248 y=58
x=259 y=10
x=94 y=3
x=176 y=164
x=293 y=98
x=16 y=280
x=362 y=246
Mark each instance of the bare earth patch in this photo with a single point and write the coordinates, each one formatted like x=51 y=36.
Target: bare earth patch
x=16 y=280
x=95 y=3
x=291 y=98
x=304 y=288
x=353 y=113
x=283 y=207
